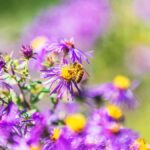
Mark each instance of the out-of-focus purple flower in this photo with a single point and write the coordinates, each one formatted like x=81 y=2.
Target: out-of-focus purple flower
x=123 y=139
x=27 y=52
x=11 y=124
x=2 y=63
x=118 y=92
x=61 y=143
x=110 y=131
x=67 y=47
x=38 y=129
x=85 y=20
x=108 y=117
x=65 y=77
x=143 y=13
x=39 y=45
x=135 y=60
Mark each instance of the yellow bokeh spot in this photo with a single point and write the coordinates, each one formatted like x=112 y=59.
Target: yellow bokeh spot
x=38 y=42
x=56 y=134
x=34 y=147
x=76 y=122
x=114 y=112
x=122 y=82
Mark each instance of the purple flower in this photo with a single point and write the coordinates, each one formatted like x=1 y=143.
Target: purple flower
x=63 y=78
x=67 y=47
x=123 y=139
x=11 y=124
x=109 y=130
x=2 y=63
x=85 y=20
x=39 y=45
x=27 y=52
x=118 y=92
x=61 y=143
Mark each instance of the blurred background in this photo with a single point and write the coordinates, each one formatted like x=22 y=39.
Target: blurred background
x=117 y=30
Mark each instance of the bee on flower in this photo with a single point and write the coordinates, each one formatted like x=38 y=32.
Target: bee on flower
x=118 y=92
x=64 y=78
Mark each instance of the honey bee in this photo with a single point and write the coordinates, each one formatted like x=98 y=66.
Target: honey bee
x=79 y=72
x=79 y=76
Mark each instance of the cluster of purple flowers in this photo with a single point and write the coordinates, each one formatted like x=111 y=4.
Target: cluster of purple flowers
x=24 y=127
x=103 y=130
x=85 y=20
x=69 y=70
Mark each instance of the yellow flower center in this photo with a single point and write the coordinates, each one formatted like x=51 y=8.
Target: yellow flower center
x=114 y=112
x=141 y=144
x=56 y=134
x=38 y=42
x=122 y=82
x=76 y=122
x=74 y=71
x=34 y=147
x=68 y=72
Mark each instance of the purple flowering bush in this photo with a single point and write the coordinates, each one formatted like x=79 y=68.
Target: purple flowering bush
x=80 y=117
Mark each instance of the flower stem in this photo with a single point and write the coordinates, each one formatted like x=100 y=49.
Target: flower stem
x=25 y=103
x=55 y=103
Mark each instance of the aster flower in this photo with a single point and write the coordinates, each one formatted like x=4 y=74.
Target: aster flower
x=67 y=47
x=118 y=92
x=12 y=125
x=105 y=124
x=44 y=59
x=123 y=139
x=57 y=141
x=27 y=52
x=64 y=77
x=39 y=44
x=110 y=117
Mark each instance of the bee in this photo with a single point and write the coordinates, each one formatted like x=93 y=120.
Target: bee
x=79 y=76
x=79 y=72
